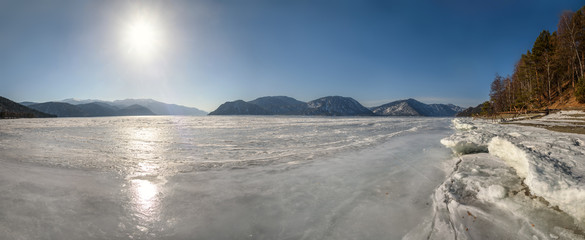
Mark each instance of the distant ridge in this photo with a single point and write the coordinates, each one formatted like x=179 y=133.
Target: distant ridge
x=159 y=108
x=135 y=110
x=61 y=109
x=27 y=103
x=97 y=109
x=128 y=107
x=333 y=106
x=11 y=109
x=74 y=101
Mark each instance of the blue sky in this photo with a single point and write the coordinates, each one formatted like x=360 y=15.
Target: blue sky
x=211 y=51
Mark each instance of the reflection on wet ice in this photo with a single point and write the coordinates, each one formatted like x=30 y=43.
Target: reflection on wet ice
x=144 y=181
x=145 y=196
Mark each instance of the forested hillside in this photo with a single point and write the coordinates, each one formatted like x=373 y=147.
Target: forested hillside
x=10 y=109
x=551 y=74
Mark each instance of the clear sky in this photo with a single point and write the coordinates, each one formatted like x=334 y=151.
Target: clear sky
x=203 y=53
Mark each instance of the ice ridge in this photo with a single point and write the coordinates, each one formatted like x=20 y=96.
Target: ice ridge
x=550 y=164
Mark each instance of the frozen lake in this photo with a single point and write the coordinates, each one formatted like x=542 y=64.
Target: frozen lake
x=219 y=177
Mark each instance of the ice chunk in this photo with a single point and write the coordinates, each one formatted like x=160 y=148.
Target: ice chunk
x=468 y=142
x=550 y=167
x=463 y=147
x=459 y=124
x=484 y=198
x=468 y=139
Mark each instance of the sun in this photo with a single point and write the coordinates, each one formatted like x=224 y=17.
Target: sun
x=142 y=37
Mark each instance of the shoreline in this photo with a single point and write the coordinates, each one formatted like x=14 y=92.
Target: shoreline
x=562 y=129
x=564 y=121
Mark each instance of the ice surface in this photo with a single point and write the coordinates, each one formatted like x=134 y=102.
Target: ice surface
x=218 y=177
x=170 y=145
x=529 y=186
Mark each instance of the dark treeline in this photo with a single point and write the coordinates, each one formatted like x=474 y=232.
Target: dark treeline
x=10 y=109
x=552 y=71
x=4 y=115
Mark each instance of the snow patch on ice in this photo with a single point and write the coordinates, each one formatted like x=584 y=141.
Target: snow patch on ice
x=563 y=118
x=492 y=193
x=511 y=154
x=553 y=179
x=563 y=114
x=515 y=134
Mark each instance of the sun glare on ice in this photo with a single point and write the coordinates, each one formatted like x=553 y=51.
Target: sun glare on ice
x=145 y=193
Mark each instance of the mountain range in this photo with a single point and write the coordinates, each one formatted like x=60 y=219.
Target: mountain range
x=61 y=109
x=272 y=105
x=158 y=108
x=96 y=108
x=333 y=106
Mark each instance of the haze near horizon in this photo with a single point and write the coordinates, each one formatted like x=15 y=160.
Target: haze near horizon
x=203 y=53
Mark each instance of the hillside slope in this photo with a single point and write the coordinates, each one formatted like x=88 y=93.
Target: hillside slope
x=11 y=109
x=412 y=107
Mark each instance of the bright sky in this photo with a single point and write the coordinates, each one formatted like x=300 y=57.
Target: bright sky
x=203 y=53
